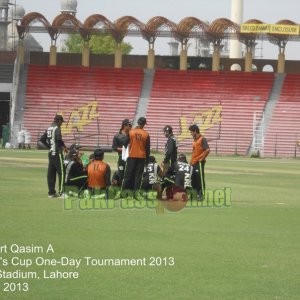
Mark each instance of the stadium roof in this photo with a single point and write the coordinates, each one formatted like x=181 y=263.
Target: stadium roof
x=189 y=27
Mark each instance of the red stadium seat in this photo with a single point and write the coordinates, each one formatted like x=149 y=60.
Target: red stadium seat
x=187 y=94
x=92 y=100
x=284 y=129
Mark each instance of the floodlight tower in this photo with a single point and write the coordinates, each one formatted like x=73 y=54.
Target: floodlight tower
x=237 y=10
x=3 y=24
x=68 y=7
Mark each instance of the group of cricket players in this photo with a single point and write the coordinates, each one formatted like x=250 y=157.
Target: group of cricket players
x=136 y=169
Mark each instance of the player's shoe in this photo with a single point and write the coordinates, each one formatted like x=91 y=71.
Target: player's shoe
x=62 y=196
x=86 y=194
x=118 y=195
x=200 y=197
x=72 y=194
x=52 y=196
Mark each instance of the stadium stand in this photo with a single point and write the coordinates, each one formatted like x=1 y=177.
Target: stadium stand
x=284 y=130
x=92 y=100
x=222 y=103
x=95 y=100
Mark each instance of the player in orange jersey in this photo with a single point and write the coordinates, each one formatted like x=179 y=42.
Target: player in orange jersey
x=98 y=171
x=198 y=159
x=139 y=151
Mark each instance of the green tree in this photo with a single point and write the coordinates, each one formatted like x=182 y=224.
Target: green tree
x=99 y=44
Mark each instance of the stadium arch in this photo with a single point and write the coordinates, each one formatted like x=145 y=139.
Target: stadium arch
x=281 y=40
x=249 y=40
x=153 y=29
x=216 y=34
x=24 y=26
x=184 y=30
x=64 y=22
x=122 y=26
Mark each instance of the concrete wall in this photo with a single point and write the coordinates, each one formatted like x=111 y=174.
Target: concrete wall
x=161 y=62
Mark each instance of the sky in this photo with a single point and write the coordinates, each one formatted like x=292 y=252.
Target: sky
x=268 y=11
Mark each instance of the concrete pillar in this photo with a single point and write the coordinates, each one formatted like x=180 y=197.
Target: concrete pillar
x=248 y=62
x=151 y=59
x=183 y=60
x=21 y=52
x=86 y=55
x=281 y=63
x=118 y=56
x=216 y=58
x=53 y=57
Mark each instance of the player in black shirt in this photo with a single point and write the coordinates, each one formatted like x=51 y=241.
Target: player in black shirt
x=52 y=139
x=170 y=149
x=170 y=158
x=183 y=172
x=152 y=174
x=179 y=174
x=120 y=140
x=151 y=177
x=75 y=173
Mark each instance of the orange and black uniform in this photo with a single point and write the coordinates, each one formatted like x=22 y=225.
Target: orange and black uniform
x=139 y=151
x=98 y=174
x=200 y=147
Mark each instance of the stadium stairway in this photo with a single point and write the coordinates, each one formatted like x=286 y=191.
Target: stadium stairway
x=145 y=95
x=283 y=133
x=221 y=103
x=93 y=101
x=261 y=127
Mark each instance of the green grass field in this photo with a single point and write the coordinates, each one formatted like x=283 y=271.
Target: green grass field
x=250 y=250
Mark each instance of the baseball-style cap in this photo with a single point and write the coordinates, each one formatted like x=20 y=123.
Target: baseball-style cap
x=75 y=146
x=73 y=152
x=168 y=129
x=142 y=121
x=58 y=118
x=126 y=122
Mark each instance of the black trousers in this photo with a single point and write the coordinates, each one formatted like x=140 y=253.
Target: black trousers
x=169 y=177
x=80 y=182
x=198 y=180
x=121 y=168
x=134 y=170
x=55 y=166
